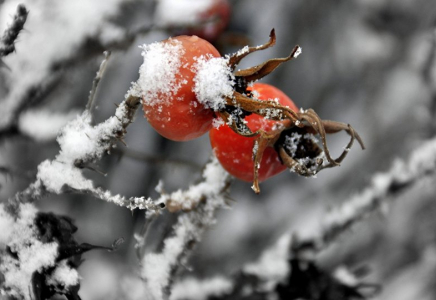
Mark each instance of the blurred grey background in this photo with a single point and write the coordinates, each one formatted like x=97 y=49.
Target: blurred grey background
x=368 y=63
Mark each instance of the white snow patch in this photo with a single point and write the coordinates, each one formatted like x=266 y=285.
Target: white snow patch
x=63 y=275
x=33 y=255
x=194 y=289
x=44 y=125
x=298 y=52
x=217 y=122
x=157 y=75
x=213 y=81
x=156 y=267
x=345 y=276
x=214 y=181
x=78 y=140
x=273 y=263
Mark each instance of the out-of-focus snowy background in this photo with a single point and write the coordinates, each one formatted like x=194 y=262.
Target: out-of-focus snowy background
x=368 y=63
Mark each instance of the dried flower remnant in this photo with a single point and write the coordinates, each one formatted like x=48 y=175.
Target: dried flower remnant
x=305 y=122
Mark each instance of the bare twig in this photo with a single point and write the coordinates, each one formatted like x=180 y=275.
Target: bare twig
x=96 y=81
x=7 y=42
x=149 y=158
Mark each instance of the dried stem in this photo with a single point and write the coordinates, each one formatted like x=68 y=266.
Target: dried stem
x=96 y=81
x=9 y=38
x=149 y=158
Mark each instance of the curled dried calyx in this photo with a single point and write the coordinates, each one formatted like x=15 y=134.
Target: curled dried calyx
x=294 y=136
x=297 y=147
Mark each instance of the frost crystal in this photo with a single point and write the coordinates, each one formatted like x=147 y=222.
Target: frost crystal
x=291 y=143
x=213 y=81
x=157 y=74
x=298 y=52
x=217 y=122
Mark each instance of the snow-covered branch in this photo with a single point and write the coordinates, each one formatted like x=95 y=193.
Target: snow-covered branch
x=33 y=76
x=80 y=145
x=202 y=200
x=273 y=265
x=383 y=187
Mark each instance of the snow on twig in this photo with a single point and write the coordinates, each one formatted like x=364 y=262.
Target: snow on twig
x=158 y=269
x=81 y=144
x=272 y=266
x=384 y=186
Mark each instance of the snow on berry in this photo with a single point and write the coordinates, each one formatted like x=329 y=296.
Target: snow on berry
x=213 y=82
x=157 y=75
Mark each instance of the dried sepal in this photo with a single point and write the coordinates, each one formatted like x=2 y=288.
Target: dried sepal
x=265 y=68
x=243 y=102
x=263 y=141
x=236 y=58
x=296 y=166
x=236 y=124
x=262 y=108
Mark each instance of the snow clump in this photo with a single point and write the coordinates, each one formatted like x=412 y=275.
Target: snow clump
x=213 y=81
x=157 y=74
x=31 y=254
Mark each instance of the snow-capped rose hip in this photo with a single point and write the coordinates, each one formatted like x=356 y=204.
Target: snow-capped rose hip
x=235 y=152
x=184 y=84
x=168 y=84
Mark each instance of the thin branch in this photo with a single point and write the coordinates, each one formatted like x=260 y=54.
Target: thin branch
x=96 y=81
x=7 y=42
x=64 y=173
x=149 y=158
x=383 y=187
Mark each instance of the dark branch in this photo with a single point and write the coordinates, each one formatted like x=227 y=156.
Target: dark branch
x=7 y=42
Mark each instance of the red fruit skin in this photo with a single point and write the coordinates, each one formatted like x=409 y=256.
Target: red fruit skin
x=182 y=117
x=235 y=152
x=219 y=13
